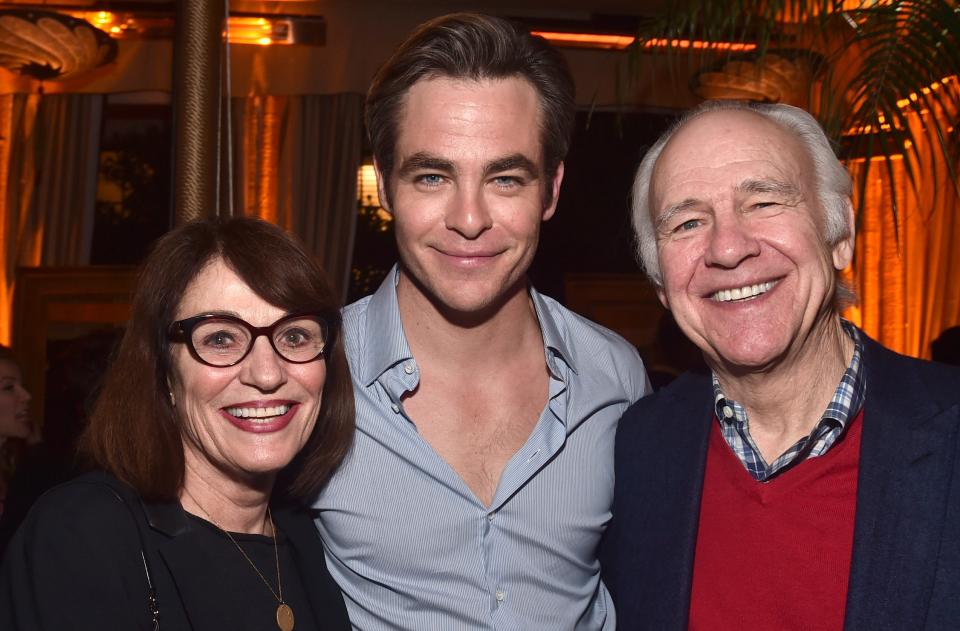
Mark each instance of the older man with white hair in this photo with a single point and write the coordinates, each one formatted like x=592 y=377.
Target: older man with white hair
x=811 y=481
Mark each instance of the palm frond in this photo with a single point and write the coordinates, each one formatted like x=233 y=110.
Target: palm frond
x=882 y=92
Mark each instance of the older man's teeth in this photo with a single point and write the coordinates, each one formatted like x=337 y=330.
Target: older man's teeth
x=743 y=293
x=277 y=410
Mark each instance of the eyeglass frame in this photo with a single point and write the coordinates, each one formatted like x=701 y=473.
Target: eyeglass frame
x=181 y=331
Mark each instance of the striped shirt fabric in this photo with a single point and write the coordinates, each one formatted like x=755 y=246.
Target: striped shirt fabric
x=843 y=407
x=413 y=548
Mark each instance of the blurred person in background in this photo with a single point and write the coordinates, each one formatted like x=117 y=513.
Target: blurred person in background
x=15 y=425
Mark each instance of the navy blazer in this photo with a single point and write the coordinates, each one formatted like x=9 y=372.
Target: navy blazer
x=75 y=564
x=905 y=571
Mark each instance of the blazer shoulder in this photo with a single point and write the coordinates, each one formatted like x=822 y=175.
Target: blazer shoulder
x=87 y=522
x=886 y=369
x=92 y=501
x=77 y=549
x=687 y=394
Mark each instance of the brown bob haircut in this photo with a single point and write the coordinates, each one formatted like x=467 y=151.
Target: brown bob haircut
x=474 y=47
x=135 y=432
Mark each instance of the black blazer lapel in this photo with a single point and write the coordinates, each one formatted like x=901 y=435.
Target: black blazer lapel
x=661 y=456
x=907 y=458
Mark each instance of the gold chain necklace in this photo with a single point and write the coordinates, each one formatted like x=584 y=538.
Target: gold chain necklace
x=285 y=618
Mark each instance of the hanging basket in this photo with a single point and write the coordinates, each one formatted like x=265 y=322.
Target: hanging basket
x=776 y=77
x=46 y=45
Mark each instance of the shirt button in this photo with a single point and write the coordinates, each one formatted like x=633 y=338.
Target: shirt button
x=408 y=368
x=491 y=515
x=727 y=412
x=500 y=595
x=395 y=408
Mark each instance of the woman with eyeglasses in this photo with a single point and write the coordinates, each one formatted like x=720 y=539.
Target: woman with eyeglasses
x=226 y=409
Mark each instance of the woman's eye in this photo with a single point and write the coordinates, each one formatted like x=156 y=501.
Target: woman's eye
x=220 y=339
x=294 y=338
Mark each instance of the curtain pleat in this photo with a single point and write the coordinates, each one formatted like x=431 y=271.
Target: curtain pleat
x=295 y=164
x=905 y=268
x=48 y=173
x=68 y=129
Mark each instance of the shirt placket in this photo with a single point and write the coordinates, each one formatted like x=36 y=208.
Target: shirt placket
x=549 y=434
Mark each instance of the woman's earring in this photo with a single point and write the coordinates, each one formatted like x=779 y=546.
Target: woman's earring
x=173 y=399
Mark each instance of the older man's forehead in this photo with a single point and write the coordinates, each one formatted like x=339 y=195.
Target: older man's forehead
x=774 y=159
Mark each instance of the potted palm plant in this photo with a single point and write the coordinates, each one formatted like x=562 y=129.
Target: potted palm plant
x=883 y=76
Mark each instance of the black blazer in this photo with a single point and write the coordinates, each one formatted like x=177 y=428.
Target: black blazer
x=905 y=571
x=75 y=564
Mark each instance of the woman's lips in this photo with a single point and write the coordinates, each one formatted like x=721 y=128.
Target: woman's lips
x=261 y=417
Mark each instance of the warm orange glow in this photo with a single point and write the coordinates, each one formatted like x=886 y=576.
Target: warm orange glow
x=118 y=25
x=587 y=40
x=261 y=149
x=699 y=45
x=904 y=269
x=258 y=30
x=933 y=87
x=367 y=185
x=262 y=31
x=902 y=103
x=619 y=42
x=102 y=19
x=7 y=240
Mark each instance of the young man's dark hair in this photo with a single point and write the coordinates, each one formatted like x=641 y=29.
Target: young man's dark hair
x=472 y=47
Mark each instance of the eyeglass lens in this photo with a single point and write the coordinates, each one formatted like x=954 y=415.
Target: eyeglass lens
x=225 y=342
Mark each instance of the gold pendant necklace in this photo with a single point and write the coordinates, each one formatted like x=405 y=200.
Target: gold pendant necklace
x=285 y=617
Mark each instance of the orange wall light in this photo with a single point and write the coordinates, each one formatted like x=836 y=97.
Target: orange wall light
x=587 y=40
x=259 y=30
x=605 y=41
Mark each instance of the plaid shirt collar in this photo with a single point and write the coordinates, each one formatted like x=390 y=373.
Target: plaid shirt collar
x=845 y=405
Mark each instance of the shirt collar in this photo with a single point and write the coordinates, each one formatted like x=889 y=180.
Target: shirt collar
x=554 y=342
x=386 y=345
x=847 y=398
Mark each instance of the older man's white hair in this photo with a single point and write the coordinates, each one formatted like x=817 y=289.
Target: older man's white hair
x=833 y=184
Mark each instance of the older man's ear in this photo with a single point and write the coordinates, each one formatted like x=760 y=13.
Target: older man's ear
x=843 y=249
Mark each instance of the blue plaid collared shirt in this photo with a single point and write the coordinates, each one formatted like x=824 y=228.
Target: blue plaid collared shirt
x=845 y=405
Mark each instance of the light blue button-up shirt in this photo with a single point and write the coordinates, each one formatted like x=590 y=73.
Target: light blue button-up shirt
x=409 y=543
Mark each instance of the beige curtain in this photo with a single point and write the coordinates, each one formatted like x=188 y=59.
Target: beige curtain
x=906 y=271
x=295 y=161
x=48 y=161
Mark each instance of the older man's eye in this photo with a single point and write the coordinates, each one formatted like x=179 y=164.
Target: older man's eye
x=689 y=224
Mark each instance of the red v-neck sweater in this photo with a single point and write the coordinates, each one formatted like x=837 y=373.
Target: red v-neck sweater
x=775 y=555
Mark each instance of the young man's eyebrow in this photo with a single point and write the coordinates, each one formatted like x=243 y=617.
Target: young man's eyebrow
x=425 y=161
x=514 y=161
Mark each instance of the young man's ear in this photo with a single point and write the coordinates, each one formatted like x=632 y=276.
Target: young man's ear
x=381 y=188
x=554 y=185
